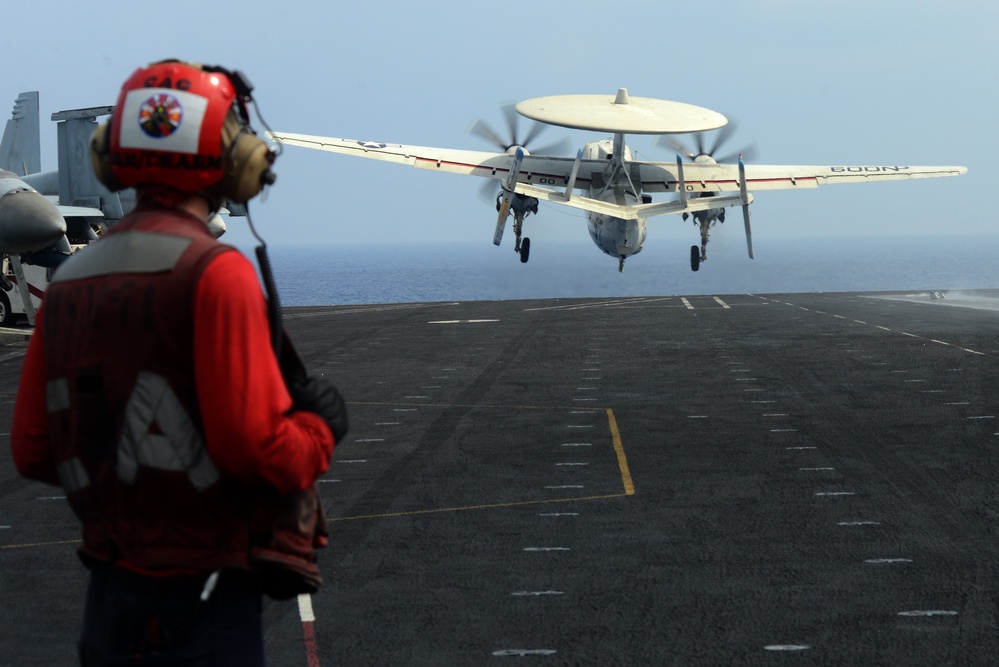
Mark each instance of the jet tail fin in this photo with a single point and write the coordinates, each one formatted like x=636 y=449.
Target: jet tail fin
x=78 y=185
x=21 y=148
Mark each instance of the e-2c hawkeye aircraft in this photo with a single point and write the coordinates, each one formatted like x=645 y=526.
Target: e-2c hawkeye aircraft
x=617 y=188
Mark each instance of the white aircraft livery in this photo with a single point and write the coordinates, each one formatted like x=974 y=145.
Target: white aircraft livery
x=616 y=189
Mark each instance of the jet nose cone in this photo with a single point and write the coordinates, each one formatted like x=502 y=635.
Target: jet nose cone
x=216 y=225
x=28 y=221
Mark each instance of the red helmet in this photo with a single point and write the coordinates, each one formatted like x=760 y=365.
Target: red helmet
x=177 y=124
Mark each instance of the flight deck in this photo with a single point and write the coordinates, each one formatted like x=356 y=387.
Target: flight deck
x=737 y=479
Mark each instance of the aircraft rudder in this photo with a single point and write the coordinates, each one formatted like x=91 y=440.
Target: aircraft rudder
x=21 y=147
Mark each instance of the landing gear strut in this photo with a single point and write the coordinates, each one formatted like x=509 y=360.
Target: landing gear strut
x=705 y=227
x=522 y=246
x=704 y=222
x=522 y=207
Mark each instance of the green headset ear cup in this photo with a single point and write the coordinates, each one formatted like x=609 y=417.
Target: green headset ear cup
x=100 y=157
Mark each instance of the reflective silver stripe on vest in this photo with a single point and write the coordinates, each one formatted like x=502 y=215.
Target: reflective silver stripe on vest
x=177 y=446
x=57 y=395
x=72 y=475
x=125 y=252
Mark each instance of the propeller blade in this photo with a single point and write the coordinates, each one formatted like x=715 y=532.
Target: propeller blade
x=723 y=134
x=561 y=147
x=481 y=128
x=532 y=134
x=510 y=113
x=489 y=190
x=513 y=123
x=750 y=153
x=675 y=145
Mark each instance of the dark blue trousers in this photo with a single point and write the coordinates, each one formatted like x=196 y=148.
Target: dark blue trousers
x=131 y=619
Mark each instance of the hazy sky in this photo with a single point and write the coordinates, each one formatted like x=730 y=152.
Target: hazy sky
x=884 y=82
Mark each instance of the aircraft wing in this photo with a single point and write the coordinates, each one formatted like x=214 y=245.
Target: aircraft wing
x=479 y=163
x=551 y=171
x=546 y=178
x=549 y=178
x=537 y=176
x=661 y=176
x=79 y=211
x=719 y=178
x=654 y=176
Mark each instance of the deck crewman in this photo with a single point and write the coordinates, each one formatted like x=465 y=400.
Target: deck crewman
x=152 y=393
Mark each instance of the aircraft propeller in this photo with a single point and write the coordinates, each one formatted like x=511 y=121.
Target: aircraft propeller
x=510 y=142
x=703 y=154
x=700 y=150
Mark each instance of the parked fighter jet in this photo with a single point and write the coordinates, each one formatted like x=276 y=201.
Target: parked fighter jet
x=45 y=215
x=28 y=221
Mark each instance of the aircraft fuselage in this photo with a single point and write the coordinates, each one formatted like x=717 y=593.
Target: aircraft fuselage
x=617 y=237
x=28 y=221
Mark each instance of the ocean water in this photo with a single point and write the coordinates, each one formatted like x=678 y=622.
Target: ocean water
x=396 y=273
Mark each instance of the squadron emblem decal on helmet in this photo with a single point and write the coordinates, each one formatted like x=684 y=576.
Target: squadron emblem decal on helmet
x=160 y=115
x=184 y=126
x=165 y=120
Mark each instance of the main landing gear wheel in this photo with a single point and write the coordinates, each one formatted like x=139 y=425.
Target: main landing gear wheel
x=525 y=250
x=695 y=258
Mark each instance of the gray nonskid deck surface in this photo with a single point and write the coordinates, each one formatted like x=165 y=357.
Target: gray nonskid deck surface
x=708 y=480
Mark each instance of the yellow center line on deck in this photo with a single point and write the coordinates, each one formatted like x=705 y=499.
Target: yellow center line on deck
x=39 y=544
x=441 y=510
x=622 y=461
x=487 y=406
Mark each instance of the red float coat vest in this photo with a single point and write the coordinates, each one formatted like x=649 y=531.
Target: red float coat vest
x=125 y=425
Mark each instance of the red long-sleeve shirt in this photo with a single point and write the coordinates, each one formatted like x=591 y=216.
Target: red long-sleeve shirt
x=249 y=430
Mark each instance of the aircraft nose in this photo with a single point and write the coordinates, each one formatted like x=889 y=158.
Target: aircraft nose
x=28 y=221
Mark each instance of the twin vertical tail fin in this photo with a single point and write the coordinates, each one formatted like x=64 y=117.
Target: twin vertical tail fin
x=508 y=186
x=78 y=184
x=21 y=148
x=745 y=206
